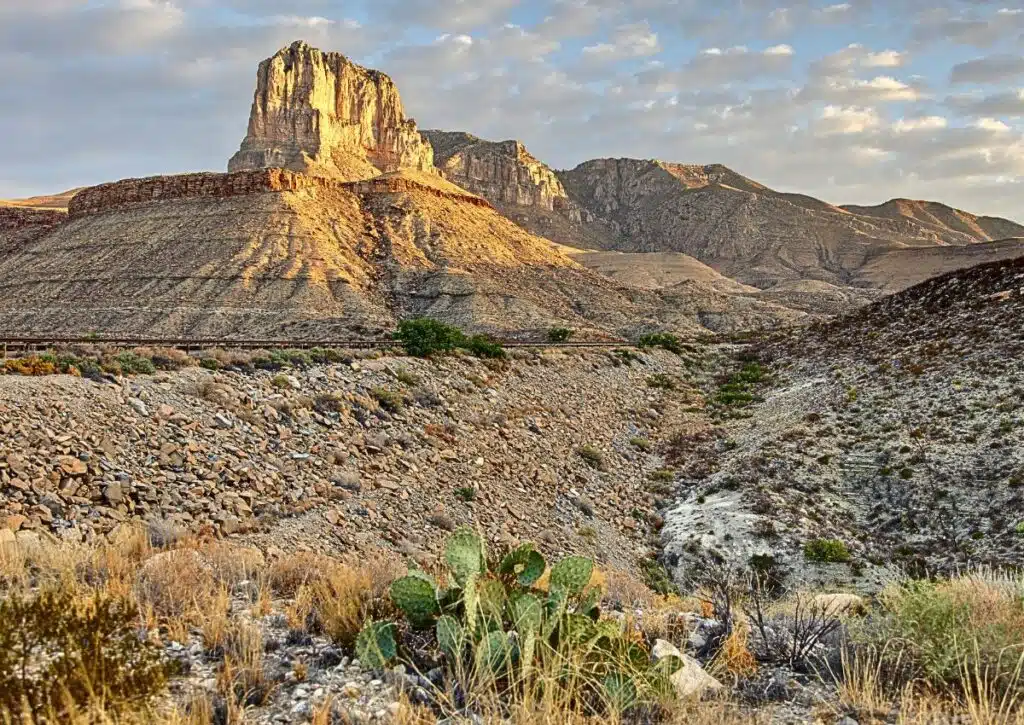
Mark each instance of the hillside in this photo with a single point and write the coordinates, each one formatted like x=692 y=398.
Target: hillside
x=942 y=218
x=896 y=429
x=276 y=254
x=56 y=202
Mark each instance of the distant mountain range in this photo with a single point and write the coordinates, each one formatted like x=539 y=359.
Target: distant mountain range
x=372 y=220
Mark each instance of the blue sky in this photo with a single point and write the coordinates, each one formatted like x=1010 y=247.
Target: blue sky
x=853 y=102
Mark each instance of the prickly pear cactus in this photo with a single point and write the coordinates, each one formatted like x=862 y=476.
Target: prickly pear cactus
x=451 y=637
x=571 y=574
x=375 y=645
x=465 y=555
x=493 y=653
x=492 y=602
x=526 y=564
x=417 y=598
x=527 y=613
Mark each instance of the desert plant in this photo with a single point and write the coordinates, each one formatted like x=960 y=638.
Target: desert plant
x=664 y=340
x=662 y=381
x=389 y=400
x=559 y=334
x=826 y=551
x=61 y=653
x=485 y=347
x=593 y=457
x=493 y=624
x=423 y=337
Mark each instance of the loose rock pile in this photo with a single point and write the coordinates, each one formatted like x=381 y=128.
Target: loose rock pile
x=389 y=451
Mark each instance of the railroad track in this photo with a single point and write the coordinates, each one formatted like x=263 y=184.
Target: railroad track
x=23 y=345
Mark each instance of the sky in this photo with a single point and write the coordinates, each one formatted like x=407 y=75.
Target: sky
x=852 y=102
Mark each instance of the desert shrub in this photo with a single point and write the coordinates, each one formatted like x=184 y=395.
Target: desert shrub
x=59 y=653
x=209 y=363
x=966 y=632
x=641 y=444
x=466 y=493
x=484 y=347
x=423 y=337
x=501 y=633
x=664 y=340
x=389 y=400
x=593 y=457
x=167 y=358
x=281 y=381
x=656 y=576
x=559 y=334
x=662 y=381
x=406 y=377
x=133 y=364
x=826 y=551
x=29 y=366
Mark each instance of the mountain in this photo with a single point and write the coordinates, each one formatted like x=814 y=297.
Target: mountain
x=56 y=202
x=322 y=114
x=323 y=252
x=942 y=218
x=806 y=251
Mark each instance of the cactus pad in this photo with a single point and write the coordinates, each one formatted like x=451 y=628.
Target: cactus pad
x=451 y=637
x=571 y=574
x=375 y=645
x=465 y=555
x=526 y=564
x=417 y=599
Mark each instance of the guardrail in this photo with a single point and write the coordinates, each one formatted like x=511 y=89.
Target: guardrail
x=26 y=345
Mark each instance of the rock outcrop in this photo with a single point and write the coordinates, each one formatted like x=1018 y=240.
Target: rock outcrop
x=320 y=113
x=128 y=192
x=520 y=186
x=503 y=172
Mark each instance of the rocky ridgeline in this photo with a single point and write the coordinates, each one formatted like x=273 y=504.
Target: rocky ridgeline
x=392 y=451
x=503 y=172
x=15 y=219
x=222 y=186
x=320 y=113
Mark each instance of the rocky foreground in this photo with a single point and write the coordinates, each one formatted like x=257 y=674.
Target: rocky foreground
x=551 y=446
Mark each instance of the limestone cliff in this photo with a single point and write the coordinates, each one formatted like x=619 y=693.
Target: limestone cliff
x=319 y=113
x=503 y=171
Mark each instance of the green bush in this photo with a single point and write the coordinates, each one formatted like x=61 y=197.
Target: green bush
x=661 y=381
x=826 y=551
x=495 y=628
x=132 y=364
x=483 y=346
x=59 y=654
x=664 y=340
x=209 y=363
x=423 y=337
x=559 y=334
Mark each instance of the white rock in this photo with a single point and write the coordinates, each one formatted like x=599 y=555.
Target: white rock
x=690 y=680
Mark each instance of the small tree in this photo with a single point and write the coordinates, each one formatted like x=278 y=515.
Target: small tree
x=423 y=337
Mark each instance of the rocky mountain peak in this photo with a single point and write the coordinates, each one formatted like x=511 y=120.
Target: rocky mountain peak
x=503 y=172
x=320 y=113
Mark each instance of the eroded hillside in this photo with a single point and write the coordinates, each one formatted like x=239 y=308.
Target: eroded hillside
x=896 y=430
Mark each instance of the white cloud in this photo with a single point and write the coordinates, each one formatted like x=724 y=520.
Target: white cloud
x=921 y=123
x=845 y=120
x=629 y=41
